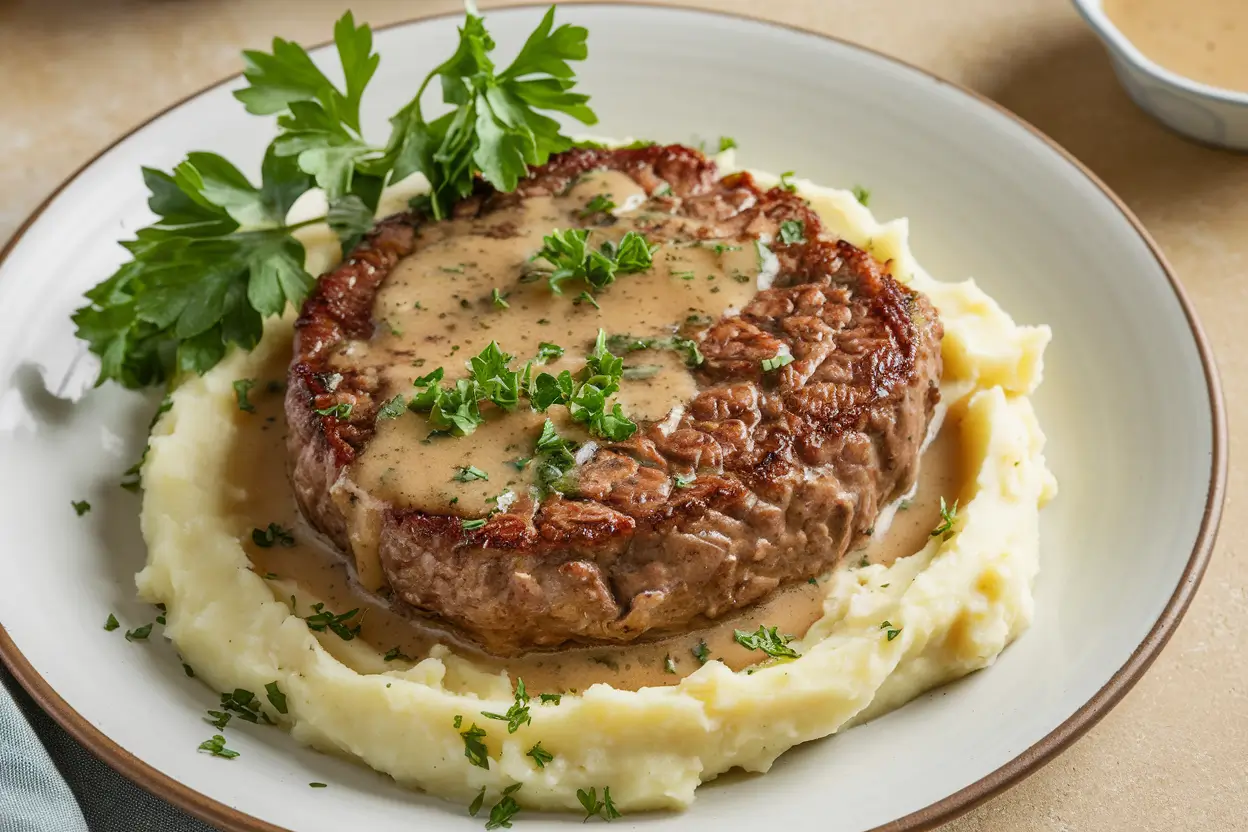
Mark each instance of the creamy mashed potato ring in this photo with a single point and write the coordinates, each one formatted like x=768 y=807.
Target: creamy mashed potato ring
x=951 y=607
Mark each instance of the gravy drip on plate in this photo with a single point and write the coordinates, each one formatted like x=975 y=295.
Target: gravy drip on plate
x=1205 y=40
x=437 y=308
x=311 y=568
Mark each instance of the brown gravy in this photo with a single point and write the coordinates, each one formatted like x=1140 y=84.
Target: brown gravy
x=258 y=458
x=438 y=310
x=1205 y=40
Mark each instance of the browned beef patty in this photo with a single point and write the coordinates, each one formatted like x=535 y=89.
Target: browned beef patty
x=792 y=466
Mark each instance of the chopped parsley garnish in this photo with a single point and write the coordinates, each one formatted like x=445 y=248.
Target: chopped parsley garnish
x=600 y=204
x=641 y=371
x=540 y=755
x=219 y=720
x=276 y=698
x=474 y=748
x=687 y=347
x=245 y=705
x=496 y=128
x=456 y=409
x=785 y=183
x=393 y=408
x=594 y=807
x=242 y=386
x=726 y=143
x=139 y=633
x=216 y=747
x=572 y=258
x=265 y=538
x=396 y=655
x=862 y=195
x=684 y=275
x=475 y=805
x=720 y=248
x=792 y=231
x=586 y=297
x=499 y=299
x=551 y=698
x=322 y=620
x=893 y=631
x=132 y=479
x=317 y=786
x=669 y=664
x=472 y=525
x=776 y=362
x=468 y=473
x=188 y=670
x=111 y=623
x=342 y=410
x=505 y=809
x=518 y=714
x=586 y=395
x=701 y=652
x=547 y=351
x=767 y=639
x=81 y=507
x=555 y=459
x=458 y=721
x=684 y=480
x=948 y=516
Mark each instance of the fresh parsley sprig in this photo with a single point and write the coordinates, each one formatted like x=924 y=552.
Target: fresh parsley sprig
x=497 y=127
x=221 y=257
x=768 y=639
x=586 y=396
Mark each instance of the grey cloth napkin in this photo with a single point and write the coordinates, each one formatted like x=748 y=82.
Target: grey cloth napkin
x=49 y=783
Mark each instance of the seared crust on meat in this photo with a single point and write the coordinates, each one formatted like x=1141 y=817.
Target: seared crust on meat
x=792 y=465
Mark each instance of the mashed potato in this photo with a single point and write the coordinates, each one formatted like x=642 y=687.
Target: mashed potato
x=951 y=608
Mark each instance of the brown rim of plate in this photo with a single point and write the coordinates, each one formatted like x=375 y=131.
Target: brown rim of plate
x=1076 y=725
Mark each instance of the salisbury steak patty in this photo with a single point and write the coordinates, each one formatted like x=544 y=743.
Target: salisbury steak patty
x=792 y=464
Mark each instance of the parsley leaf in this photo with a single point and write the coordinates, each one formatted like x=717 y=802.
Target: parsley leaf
x=586 y=396
x=684 y=480
x=216 y=747
x=393 y=408
x=505 y=809
x=322 y=620
x=776 y=362
x=555 y=458
x=792 y=231
x=701 y=652
x=469 y=473
x=81 y=507
x=948 y=516
x=475 y=805
x=245 y=705
x=540 y=755
x=139 y=633
x=594 y=807
x=518 y=714
x=276 y=698
x=551 y=698
x=669 y=664
x=862 y=195
x=242 y=386
x=265 y=538
x=497 y=128
x=786 y=183
x=111 y=623
x=767 y=639
x=474 y=748
x=472 y=525
x=726 y=143
x=687 y=347
x=319 y=123
x=499 y=299
x=572 y=258
x=547 y=351
x=456 y=409
x=342 y=410
x=600 y=204
x=200 y=279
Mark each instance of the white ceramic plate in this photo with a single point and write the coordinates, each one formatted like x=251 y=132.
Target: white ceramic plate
x=1130 y=405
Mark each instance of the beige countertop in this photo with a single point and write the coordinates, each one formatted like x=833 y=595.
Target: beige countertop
x=1174 y=755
